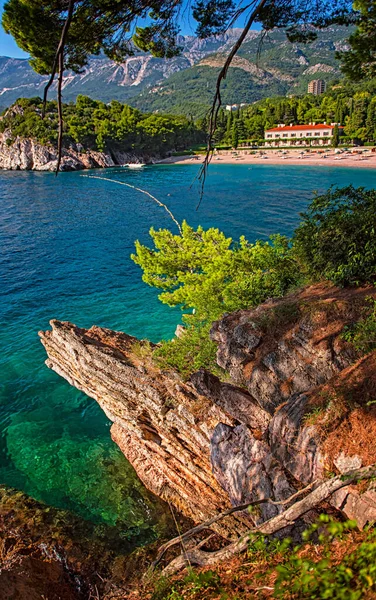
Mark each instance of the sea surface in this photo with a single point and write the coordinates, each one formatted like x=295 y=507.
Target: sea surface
x=65 y=245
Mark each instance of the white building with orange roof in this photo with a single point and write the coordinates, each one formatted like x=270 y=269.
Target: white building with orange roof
x=314 y=134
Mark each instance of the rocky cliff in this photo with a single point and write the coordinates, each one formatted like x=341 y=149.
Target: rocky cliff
x=27 y=154
x=162 y=425
x=299 y=406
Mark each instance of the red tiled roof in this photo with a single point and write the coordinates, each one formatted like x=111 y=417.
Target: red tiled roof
x=300 y=128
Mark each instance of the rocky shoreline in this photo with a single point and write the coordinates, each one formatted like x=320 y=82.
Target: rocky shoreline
x=297 y=407
x=24 y=154
x=50 y=553
x=205 y=445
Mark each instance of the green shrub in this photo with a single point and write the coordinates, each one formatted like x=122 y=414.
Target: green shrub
x=163 y=589
x=262 y=546
x=209 y=273
x=95 y=125
x=203 y=582
x=204 y=270
x=301 y=578
x=362 y=335
x=352 y=579
x=190 y=352
x=337 y=238
x=142 y=349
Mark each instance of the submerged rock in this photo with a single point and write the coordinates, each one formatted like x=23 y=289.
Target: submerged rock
x=50 y=553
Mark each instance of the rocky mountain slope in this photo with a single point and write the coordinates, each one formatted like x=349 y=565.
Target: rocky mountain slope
x=156 y=84
x=299 y=405
x=106 y=80
x=280 y=68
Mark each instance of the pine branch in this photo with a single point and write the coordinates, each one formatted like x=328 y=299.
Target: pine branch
x=217 y=101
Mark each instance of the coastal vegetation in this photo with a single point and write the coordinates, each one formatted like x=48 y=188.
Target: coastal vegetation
x=97 y=125
x=208 y=275
x=362 y=334
x=336 y=239
x=340 y=567
x=351 y=105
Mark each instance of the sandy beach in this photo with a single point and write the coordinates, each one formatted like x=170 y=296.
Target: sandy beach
x=330 y=158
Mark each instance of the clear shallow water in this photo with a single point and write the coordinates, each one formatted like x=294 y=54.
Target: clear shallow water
x=64 y=253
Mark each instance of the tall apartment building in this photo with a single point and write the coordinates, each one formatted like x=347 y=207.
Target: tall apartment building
x=316 y=87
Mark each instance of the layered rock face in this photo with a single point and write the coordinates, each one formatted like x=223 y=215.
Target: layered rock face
x=291 y=357
x=205 y=444
x=29 y=155
x=162 y=425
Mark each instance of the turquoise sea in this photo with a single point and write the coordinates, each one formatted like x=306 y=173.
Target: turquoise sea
x=65 y=244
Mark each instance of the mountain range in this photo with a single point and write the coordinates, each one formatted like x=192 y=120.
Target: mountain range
x=185 y=84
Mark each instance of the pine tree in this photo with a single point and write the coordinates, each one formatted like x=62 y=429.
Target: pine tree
x=338 y=117
x=300 y=112
x=335 y=138
x=220 y=132
x=229 y=123
x=371 y=120
x=235 y=134
x=288 y=117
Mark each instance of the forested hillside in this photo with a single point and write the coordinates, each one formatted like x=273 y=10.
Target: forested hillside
x=261 y=69
x=96 y=125
x=354 y=106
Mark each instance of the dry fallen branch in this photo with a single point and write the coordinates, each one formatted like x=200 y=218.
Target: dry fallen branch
x=196 y=556
x=198 y=528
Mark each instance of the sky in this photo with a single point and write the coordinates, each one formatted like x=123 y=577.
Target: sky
x=8 y=46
